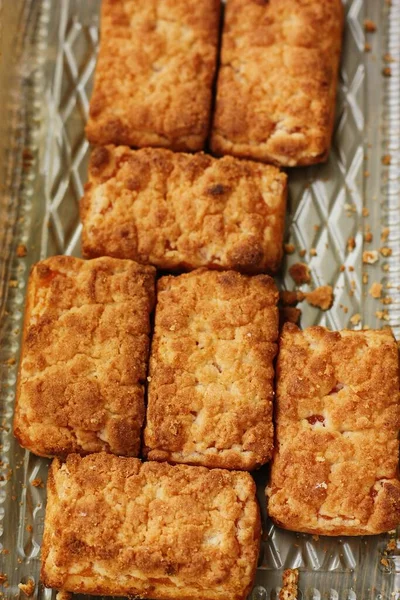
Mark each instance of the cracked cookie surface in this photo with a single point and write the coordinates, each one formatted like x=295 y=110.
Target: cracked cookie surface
x=183 y=211
x=84 y=355
x=154 y=73
x=117 y=526
x=277 y=81
x=211 y=370
x=335 y=470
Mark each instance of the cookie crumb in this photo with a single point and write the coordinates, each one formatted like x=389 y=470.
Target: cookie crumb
x=385 y=562
x=11 y=361
x=388 y=57
x=291 y=298
x=369 y=26
x=302 y=253
x=365 y=278
x=289 y=248
x=386 y=159
x=365 y=212
x=313 y=252
x=385 y=234
x=321 y=297
x=387 y=300
x=370 y=257
x=368 y=237
x=383 y=315
x=27 y=588
x=367 y=47
x=387 y=72
x=290 y=580
x=342 y=268
x=21 y=250
x=3 y=578
x=351 y=244
x=63 y=595
x=290 y=314
x=300 y=273
x=375 y=290
x=13 y=283
x=385 y=251
x=29 y=528
x=37 y=482
x=355 y=319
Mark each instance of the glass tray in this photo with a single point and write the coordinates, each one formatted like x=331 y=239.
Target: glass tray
x=48 y=55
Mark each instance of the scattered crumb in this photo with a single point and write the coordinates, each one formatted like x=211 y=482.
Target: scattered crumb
x=302 y=253
x=5 y=551
x=383 y=315
x=21 y=250
x=63 y=595
x=385 y=251
x=27 y=588
x=29 y=528
x=291 y=298
x=385 y=268
x=351 y=244
x=290 y=579
x=37 y=482
x=149 y=378
x=315 y=537
x=370 y=257
x=3 y=577
x=375 y=290
x=388 y=57
x=365 y=212
x=369 y=26
x=316 y=227
x=385 y=234
x=313 y=252
x=321 y=297
x=13 y=283
x=344 y=308
x=391 y=545
x=355 y=319
x=367 y=47
x=365 y=278
x=350 y=268
x=342 y=268
x=300 y=273
x=366 y=173
x=387 y=300
x=387 y=72
x=289 y=248
x=386 y=159
x=289 y=314
x=368 y=237
x=11 y=361
x=385 y=562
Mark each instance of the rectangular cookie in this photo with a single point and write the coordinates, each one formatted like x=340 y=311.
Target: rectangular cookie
x=183 y=211
x=277 y=80
x=155 y=72
x=335 y=470
x=116 y=526
x=211 y=370
x=84 y=356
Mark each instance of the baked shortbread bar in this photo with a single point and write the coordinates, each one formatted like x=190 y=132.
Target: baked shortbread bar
x=211 y=370
x=335 y=470
x=155 y=73
x=120 y=527
x=84 y=356
x=277 y=81
x=183 y=211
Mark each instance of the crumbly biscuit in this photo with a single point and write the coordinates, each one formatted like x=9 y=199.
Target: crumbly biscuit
x=183 y=211
x=83 y=362
x=155 y=73
x=116 y=526
x=211 y=370
x=277 y=81
x=335 y=471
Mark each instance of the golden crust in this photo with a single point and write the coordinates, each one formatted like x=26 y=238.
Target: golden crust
x=83 y=362
x=277 y=81
x=338 y=417
x=120 y=527
x=154 y=73
x=211 y=370
x=183 y=211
